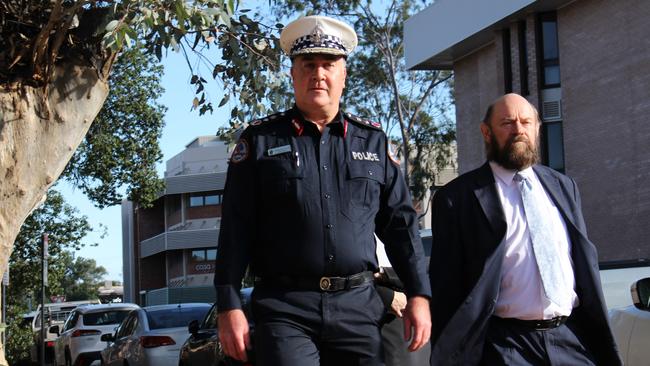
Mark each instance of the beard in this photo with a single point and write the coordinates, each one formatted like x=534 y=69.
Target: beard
x=518 y=153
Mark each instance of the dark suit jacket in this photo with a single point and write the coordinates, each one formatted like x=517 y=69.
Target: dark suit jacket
x=468 y=231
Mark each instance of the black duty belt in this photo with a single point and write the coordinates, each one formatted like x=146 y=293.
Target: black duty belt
x=328 y=284
x=544 y=324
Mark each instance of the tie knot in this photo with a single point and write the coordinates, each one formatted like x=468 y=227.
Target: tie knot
x=519 y=177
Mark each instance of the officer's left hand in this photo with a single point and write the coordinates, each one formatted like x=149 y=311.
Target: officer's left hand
x=417 y=322
x=398 y=304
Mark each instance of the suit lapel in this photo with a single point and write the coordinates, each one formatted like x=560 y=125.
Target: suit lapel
x=486 y=193
x=554 y=190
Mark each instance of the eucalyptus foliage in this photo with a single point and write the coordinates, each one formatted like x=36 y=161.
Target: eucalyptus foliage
x=121 y=148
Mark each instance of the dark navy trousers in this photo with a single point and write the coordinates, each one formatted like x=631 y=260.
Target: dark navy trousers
x=515 y=345
x=311 y=328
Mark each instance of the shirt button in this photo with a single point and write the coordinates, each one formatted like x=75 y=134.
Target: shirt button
x=370 y=172
x=327 y=196
x=330 y=257
x=324 y=167
x=322 y=142
x=329 y=226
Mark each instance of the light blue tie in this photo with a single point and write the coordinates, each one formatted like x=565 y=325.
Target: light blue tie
x=539 y=227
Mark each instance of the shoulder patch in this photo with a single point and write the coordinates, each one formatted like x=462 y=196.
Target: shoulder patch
x=363 y=121
x=240 y=153
x=393 y=153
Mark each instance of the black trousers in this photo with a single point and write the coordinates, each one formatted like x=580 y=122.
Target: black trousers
x=511 y=344
x=311 y=328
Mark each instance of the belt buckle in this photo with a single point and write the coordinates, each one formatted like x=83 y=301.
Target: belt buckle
x=325 y=283
x=554 y=323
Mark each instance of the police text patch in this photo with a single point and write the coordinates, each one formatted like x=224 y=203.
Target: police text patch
x=367 y=156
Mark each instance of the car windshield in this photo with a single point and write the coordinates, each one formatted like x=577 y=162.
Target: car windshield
x=105 y=317
x=175 y=317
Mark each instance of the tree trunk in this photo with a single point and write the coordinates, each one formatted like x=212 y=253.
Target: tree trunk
x=39 y=131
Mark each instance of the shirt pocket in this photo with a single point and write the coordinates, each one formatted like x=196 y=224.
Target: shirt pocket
x=361 y=189
x=280 y=177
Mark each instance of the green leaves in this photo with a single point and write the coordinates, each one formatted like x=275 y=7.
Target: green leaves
x=120 y=151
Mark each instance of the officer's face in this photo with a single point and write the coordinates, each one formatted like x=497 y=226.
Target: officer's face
x=318 y=81
x=511 y=137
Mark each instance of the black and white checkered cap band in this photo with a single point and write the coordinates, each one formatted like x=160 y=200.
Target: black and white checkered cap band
x=318 y=41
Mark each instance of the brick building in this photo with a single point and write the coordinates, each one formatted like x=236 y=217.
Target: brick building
x=169 y=249
x=586 y=65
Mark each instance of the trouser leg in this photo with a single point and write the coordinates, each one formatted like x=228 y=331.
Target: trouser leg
x=351 y=332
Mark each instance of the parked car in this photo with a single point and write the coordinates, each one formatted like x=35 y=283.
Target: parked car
x=151 y=335
x=203 y=347
x=631 y=325
x=55 y=314
x=78 y=341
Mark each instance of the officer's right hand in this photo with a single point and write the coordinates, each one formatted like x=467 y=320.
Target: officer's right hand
x=234 y=333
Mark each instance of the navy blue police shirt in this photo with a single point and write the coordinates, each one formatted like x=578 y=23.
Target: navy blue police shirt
x=306 y=204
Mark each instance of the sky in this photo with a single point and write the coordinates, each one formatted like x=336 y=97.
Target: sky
x=182 y=125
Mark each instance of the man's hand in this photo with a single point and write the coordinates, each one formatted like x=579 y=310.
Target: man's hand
x=398 y=304
x=417 y=322
x=234 y=334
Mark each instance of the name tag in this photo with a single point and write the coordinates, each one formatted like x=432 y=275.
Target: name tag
x=367 y=156
x=278 y=150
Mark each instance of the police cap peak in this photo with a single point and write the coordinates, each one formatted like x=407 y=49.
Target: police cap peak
x=318 y=35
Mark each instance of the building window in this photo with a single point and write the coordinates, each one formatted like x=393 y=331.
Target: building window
x=523 y=58
x=549 y=50
x=553 y=145
x=507 y=60
x=202 y=255
x=205 y=199
x=549 y=85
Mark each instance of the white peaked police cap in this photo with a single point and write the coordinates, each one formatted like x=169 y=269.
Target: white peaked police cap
x=318 y=34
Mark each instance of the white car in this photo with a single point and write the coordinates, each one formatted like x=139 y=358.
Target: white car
x=79 y=340
x=152 y=335
x=631 y=326
x=55 y=315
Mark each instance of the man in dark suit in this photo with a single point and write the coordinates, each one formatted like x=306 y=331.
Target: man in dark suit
x=514 y=277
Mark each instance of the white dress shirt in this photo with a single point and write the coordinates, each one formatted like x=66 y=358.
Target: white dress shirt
x=521 y=294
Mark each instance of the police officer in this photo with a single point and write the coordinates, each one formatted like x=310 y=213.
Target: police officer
x=306 y=191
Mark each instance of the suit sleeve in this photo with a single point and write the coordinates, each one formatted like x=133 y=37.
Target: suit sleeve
x=446 y=266
x=397 y=227
x=237 y=225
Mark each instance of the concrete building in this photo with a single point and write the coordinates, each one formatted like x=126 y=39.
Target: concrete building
x=169 y=249
x=586 y=65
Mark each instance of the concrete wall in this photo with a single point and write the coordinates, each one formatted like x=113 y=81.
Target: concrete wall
x=478 y=81
x=605 y=69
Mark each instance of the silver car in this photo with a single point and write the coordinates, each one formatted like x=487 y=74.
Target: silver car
x=152 y=335
x=631 y=326
x=79 y=341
